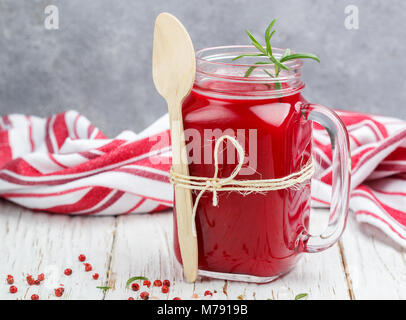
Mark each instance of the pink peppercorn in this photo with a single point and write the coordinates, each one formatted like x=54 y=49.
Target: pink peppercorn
x=144 y=295
x=147 y=283
x=130 y=298
x=68 y=271
x=41 y=277
x=10 y=279
x=82 y=258
x=96 y=276
x=167 y=283
x=157 y=283
x=135 y=287
x=88 y=267
x=13 y=289
x=208 y=293
x=165 y=289
x=177 y=298
x=34 y=297
x=59 y=292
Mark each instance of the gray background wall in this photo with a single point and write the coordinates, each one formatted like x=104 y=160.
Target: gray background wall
x=99 y=61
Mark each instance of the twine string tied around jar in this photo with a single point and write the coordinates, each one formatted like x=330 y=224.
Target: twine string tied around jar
x=216 y=184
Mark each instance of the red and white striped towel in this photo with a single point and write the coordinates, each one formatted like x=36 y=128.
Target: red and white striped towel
x=64 y=164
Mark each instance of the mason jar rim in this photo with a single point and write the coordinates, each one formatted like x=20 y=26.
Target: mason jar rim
x=279 y=52
x=216 y=64
x=211 y=56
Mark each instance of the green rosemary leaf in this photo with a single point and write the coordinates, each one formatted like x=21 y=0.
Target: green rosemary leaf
x=301 y=296
x=268 y=30
x=286 y=53
x=278 y=86
x=252 y=68
x=132 y=279
x=249 y=55
x=255 y=42
x=300 y=56
x=268 y=43
x=104 y=288
x=278 y=64
x=268 y=36
x=259 y=47
x=249 y=71
x=252 y=37
x=268 y=73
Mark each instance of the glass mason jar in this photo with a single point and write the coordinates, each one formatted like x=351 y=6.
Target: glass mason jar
x=258 y=236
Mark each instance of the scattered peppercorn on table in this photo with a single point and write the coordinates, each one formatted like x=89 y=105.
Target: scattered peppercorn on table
x=365 y=264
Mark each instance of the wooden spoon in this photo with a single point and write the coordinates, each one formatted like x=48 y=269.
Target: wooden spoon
x=174 y=68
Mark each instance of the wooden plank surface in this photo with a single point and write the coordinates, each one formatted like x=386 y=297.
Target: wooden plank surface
x=364 y=265
x=376 y=265
x=143 y=247
x=34 y=243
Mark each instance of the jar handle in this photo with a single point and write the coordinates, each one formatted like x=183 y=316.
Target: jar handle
x=341 y=175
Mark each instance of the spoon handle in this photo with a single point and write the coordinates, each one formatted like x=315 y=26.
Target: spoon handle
x=183 y=197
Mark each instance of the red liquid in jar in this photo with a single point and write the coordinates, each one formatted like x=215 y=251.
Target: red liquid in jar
x=251 y=234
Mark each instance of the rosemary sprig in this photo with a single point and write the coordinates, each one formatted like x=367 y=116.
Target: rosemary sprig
x=104 y=288
x=132 y=279
x=302 y=296
x=267 y=53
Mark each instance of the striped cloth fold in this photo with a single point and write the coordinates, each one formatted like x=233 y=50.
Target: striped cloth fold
x=63 y=164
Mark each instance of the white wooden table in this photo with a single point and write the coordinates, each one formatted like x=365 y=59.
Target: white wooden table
x=365 y=264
